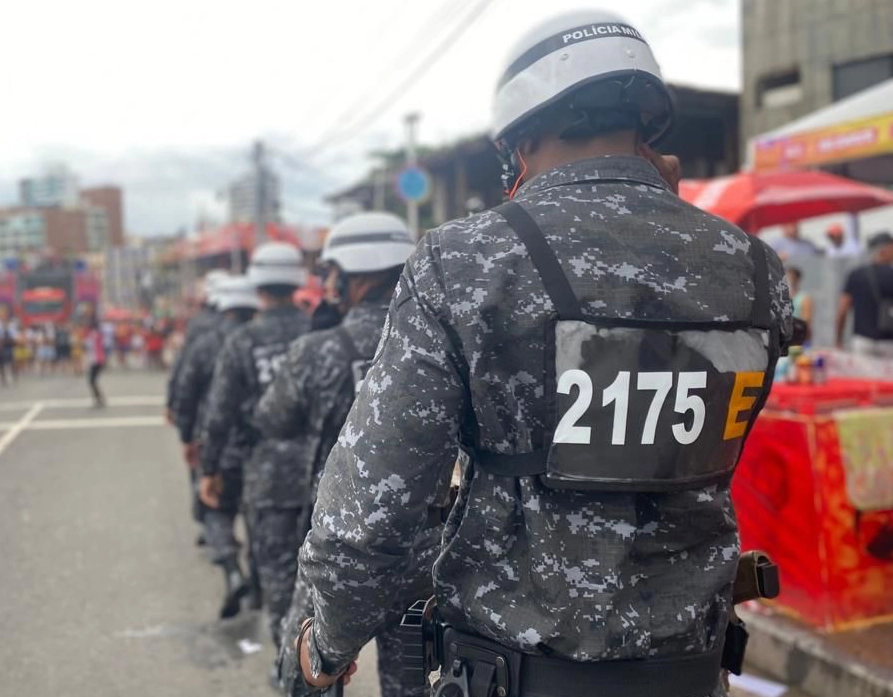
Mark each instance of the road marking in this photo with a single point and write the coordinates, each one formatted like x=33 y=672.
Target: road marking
x=77 y=403
x=111 y=422
x=7 y=438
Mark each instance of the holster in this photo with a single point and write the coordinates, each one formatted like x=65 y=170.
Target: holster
x=757 y=577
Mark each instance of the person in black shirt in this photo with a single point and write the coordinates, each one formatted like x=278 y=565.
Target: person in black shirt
x=868 y=291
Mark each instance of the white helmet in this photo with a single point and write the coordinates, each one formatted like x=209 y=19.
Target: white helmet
x=277 y=264
x=237 y=292
x=368 y=242
x=584 y=48
x=212 y=281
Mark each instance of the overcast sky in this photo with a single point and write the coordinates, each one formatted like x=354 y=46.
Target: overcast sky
x=165 y=97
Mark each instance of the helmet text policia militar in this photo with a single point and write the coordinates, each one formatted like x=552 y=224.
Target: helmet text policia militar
x=276 y=264
x=368 y=243
x=589 y=62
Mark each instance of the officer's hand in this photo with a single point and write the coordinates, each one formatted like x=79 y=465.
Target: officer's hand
x=302 y=648
x=169 y=416
x=668 y=166
x=209 y=490
x=190 y=454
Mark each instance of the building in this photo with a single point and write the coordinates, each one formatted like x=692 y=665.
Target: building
x=802 y=55
x=53 y=213
x=110 y=201
x=465 y=176
x=243 y=193
x=56 y=187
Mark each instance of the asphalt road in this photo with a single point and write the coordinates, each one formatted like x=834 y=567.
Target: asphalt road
x=102 y=590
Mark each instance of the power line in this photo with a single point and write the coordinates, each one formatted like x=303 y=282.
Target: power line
x=420 y=70
x=433 y=26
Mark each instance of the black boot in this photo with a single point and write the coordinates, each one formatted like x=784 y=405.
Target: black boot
x=235 y=589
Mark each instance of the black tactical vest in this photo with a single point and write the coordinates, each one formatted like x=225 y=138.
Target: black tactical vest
x=641 y=405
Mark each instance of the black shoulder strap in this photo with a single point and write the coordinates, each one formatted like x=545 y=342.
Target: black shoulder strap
x=554 y=279
x=762 y=309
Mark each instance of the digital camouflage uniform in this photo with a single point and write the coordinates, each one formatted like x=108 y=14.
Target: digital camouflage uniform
x=190 y=403
x=274 y=486
x=308 y=402
x=203 y=321
x=586 y=576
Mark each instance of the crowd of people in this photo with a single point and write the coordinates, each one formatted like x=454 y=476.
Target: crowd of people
x=866 y=294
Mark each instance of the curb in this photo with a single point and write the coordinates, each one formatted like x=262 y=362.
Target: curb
x=804 y=659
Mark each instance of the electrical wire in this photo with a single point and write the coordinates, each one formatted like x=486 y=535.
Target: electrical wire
x=427 y=62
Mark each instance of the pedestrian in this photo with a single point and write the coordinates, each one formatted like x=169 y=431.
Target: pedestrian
x=801 y=300
x=244 y=368
x=237 y=304
x=570 y=341
x=63 y=347
x=791 y=244
x=841 y=244
x=868 y=293
x=312 y=394
x=96 y=357
x=7 y=350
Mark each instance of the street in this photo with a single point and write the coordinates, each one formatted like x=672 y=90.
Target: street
x=104 y=591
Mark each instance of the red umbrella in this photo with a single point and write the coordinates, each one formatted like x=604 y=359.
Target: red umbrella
x=752 y=200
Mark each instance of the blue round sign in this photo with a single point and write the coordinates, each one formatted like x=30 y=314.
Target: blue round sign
x=413 y=184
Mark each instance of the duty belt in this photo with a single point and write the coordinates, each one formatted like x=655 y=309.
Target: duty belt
x=472 y=666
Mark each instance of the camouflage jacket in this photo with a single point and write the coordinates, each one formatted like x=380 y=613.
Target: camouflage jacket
x=244 y=368
x=194 y=380
x=312 y=394
x=587 y=576
x=202 y=322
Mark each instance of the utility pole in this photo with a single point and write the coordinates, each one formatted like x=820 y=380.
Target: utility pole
x=260 y=189
x=412 y=207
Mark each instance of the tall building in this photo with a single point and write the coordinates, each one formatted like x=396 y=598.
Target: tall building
x=108 y=200
x=801 y=55
x=243 y=194
x=56 y=187
x=53 y=213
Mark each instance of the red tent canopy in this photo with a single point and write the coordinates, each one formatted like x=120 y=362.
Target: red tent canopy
x=754 y=201
x=241 y=235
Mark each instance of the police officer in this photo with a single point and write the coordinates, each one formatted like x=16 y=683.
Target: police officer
x=203 y=321
x=237 y=303
x=249 y=360
x=311 y=396
x=600 y=348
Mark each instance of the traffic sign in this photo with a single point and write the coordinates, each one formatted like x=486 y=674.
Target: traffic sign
x=413 y=184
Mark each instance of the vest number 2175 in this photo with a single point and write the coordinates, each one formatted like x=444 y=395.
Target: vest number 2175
x=618 y=395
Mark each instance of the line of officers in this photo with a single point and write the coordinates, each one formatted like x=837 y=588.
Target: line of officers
x=257 y=446
x=596 y=349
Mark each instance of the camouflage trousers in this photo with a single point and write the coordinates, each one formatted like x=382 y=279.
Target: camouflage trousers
x=276 y=537
x=220 y=535
x=388 y=643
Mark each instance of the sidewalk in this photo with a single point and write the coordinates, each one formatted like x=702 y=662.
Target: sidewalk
x=857 y=663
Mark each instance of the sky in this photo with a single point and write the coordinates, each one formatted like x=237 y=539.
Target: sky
x=164 y=98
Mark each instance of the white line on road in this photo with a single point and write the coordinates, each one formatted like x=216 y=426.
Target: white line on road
x=77 y=403
x=112 y=422
x=7 y=438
